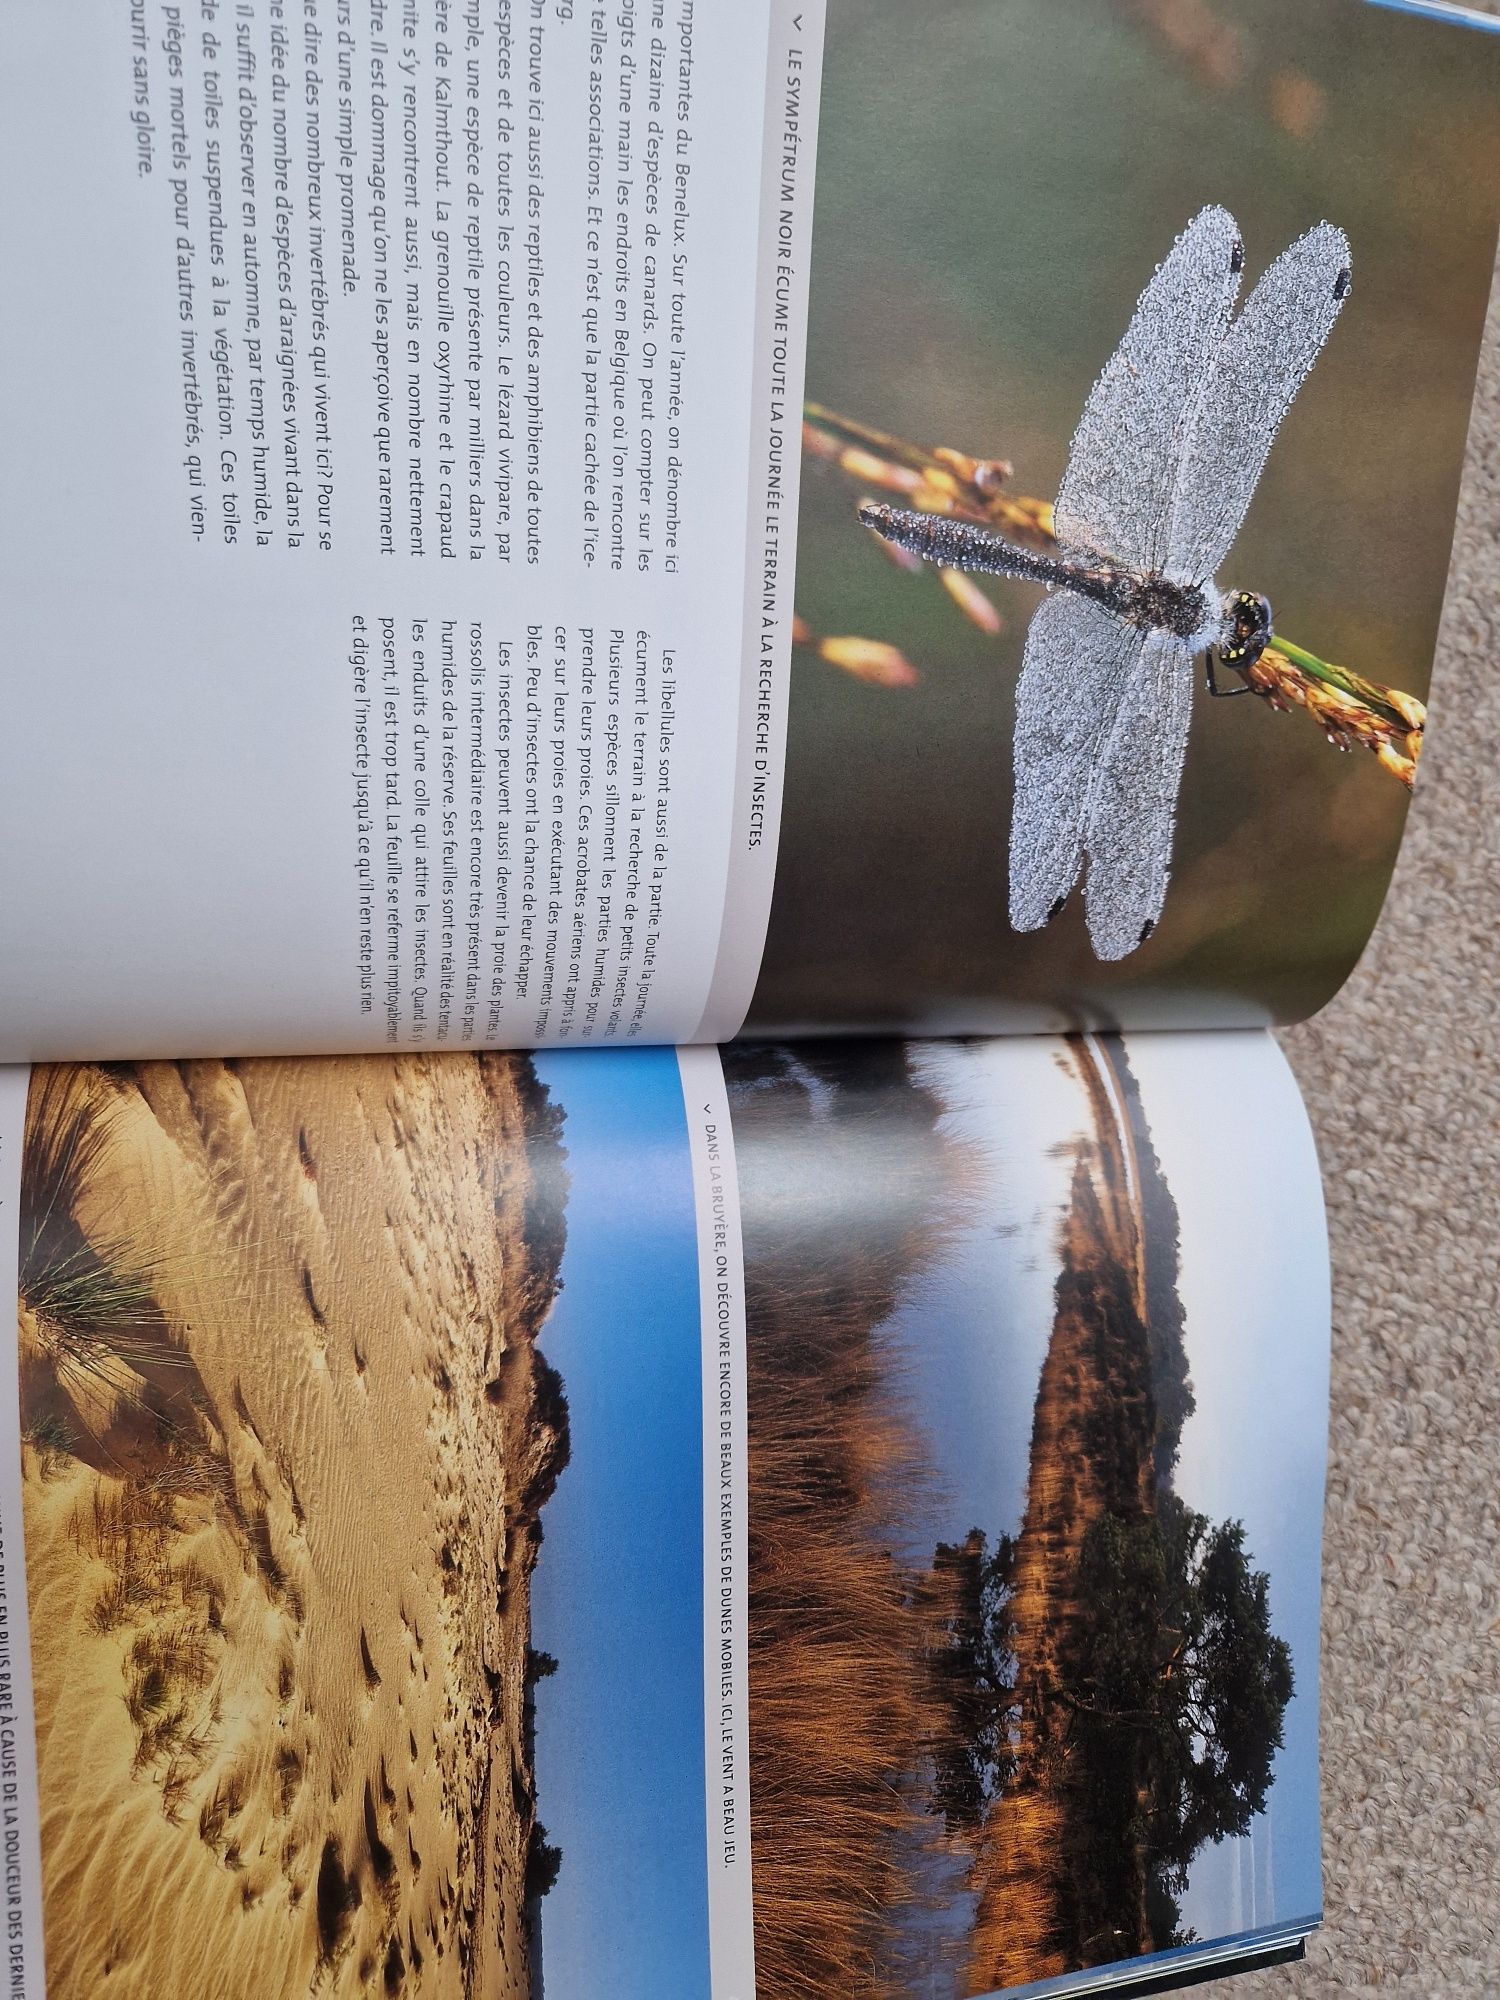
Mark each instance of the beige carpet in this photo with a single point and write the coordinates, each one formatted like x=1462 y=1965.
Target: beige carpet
x=1401 y=1078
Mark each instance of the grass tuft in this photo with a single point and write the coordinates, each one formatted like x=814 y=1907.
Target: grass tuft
x=846 y=1712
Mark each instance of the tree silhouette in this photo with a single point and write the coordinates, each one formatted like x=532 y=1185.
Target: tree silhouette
x=1180 y=1659
x=543 y=1863
x=1164 y=1912
x=1174 y=1685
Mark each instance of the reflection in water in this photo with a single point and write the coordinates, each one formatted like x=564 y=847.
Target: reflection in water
x=985 y=1663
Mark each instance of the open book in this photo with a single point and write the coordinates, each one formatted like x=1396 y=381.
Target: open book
x=673 y=1321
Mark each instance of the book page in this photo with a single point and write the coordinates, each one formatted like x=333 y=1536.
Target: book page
x=397 y=516
x=842 y=1519
x=425 y=622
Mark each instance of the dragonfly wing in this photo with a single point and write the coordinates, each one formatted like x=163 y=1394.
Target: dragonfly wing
x=1262 y=364
x=1117 y=493
x=1079 y=660
x=1132 y=805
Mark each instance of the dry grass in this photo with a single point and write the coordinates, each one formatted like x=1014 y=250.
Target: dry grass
x=845 y=1709
x=102 y=1383
x=100 y=1374
x=64 y=1278
x=168 y=1612
x=842 y=1701
x=50 y=1437
x=849 y=1720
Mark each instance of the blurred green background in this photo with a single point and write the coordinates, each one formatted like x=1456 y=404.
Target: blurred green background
x=997 y=179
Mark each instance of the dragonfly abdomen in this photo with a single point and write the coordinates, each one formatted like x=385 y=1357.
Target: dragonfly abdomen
x=1148 y=601
x=956 y=544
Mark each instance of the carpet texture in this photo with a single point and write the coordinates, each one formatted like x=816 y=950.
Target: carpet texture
x=1403 y=1086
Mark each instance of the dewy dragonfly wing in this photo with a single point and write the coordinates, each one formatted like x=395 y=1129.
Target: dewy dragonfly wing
x=1079 y=662
x=1262 y=363
x=1132 y=801
x=1117 y=494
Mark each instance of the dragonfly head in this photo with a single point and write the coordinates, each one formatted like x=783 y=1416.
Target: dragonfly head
x=1246 y=631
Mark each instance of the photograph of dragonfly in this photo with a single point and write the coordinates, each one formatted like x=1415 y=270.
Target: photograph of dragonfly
x=1162 y=469
x=998 y=798
x=1350 y=710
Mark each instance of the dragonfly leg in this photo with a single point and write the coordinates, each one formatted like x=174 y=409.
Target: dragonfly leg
x=1221 y=693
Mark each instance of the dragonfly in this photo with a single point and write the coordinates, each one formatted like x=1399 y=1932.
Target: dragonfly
x=1163 y=466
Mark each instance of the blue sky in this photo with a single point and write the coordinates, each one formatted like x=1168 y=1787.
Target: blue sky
x=1237 y=1152
x=618 y=1591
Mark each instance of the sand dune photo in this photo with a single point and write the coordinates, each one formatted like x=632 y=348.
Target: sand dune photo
x=288 y=1440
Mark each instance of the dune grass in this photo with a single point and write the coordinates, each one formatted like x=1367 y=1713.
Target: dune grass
x=97 y=1357
x=77 y=1291
x=103 y=1383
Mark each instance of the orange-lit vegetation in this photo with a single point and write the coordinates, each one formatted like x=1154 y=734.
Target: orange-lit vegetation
x=844 y=1710
x=1043 y=1721
x=1042 y=1897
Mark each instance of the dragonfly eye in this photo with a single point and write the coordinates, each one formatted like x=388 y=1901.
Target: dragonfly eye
x=1342 y=282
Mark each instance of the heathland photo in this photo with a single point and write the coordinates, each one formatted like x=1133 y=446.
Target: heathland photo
x=1033 y=1646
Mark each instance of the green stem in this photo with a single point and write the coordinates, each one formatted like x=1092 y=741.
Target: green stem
x=1363 y=691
